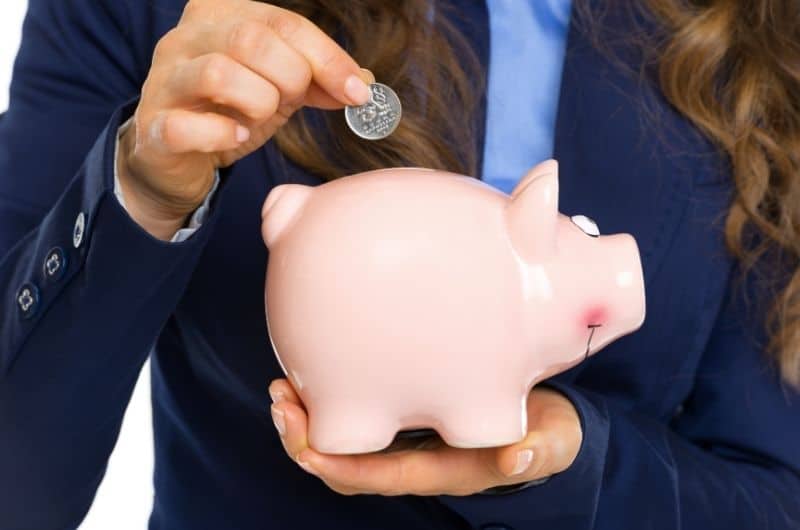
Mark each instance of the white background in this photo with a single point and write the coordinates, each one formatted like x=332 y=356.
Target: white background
x=125 y=497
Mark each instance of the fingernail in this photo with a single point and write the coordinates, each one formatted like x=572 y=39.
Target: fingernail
x=276 y=396
x=367 y=76
x=306 y=466
x=356 y=90
x=242 y=133
x=524 y=459
x=279 y=419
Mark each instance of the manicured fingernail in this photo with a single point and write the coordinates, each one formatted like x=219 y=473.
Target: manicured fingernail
x=367 y=76
x=306 y=466
x=279 y=419
x=242 y=133
x=356 y=90
x=276 y=396
x=524 y=459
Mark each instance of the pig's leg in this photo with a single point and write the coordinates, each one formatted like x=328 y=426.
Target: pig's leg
x=502 y=421
x=338 y=427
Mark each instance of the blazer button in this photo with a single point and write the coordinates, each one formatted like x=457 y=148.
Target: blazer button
x=28 y=300
x=496 y=526
x=78 y=230
x=55 y=264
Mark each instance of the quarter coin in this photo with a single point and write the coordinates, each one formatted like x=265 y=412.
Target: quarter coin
x=379 y=117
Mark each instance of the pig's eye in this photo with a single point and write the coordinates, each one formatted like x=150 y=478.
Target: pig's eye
x=588 y=226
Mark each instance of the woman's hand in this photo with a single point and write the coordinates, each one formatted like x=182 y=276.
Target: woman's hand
x=552 y=444
x=221 y=83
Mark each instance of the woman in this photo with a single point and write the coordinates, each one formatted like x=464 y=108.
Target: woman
x=677 y=121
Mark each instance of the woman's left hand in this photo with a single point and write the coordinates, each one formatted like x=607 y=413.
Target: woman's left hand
x=552 y=444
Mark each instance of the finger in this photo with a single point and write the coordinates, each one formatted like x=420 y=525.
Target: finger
x=282 y=390
x=367 y=76
x=317 y=97
x=445 y=470
x=291 y=422
x=258 y=47
x=552 y=443
x=217 y=78
x=182 y=131
x=290 y=51
x=332 y=68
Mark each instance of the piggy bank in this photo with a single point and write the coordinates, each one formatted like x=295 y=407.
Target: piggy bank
x=410 y=298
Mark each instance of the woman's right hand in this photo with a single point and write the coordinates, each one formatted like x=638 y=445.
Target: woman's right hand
x=221 y=83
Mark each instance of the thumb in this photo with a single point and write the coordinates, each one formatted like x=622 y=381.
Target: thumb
x=523 y=461
x=319 y=98
x=553 y=441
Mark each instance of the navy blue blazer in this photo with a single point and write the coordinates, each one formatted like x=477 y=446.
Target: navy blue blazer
x=686 y=424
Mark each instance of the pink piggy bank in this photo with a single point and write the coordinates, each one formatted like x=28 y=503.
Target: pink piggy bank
x=410 y=298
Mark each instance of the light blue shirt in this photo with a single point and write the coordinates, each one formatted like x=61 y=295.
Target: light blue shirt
x=528 y=43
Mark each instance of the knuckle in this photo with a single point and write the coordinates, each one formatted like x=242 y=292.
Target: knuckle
x=488 y=461
x=213 y=74
x=541 y=461
x=169 y=130
x=246 y=36
x=139 y=131
x=206 y=12
x=266 y=107
x=191 y=8
x=167 y=45
x=331 y=62
x=271 y=102
x=286 y=23
x=403 y=474
x=299 y=79
x=203 y=10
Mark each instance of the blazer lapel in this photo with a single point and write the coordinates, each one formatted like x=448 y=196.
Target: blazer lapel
x=630 y=161
x=626 y=157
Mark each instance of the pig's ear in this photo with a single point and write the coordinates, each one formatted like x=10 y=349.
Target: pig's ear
x=532 y=212
x=281 y=208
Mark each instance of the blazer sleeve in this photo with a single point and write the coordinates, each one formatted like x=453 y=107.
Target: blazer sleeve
x=730 y=459
x=84 y=291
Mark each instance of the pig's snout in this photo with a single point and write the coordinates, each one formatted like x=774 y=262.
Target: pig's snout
x=621 y=290
x=280 y=209
x=628 y=281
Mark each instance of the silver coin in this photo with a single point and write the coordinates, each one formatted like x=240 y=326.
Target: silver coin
x=379 y=117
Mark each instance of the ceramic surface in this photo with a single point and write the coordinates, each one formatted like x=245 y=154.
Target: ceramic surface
x=409 y=298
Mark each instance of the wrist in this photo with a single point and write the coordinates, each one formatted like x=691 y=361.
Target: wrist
x=159 y=217
x=148 y=215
